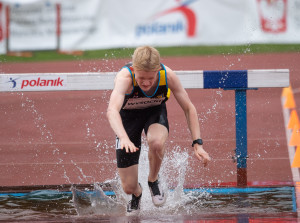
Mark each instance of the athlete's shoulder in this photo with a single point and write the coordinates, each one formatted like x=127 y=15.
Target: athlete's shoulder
x=124 y=73
x=166 y=67
x=172 y=78
x=170 y=72
x=123 y=80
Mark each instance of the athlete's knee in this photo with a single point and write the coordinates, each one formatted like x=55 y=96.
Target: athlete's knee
x=129 y=189
x=156 y=144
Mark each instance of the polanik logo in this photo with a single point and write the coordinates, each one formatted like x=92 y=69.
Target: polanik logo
x=28 y=83
x=13 y=82
x=174 y=27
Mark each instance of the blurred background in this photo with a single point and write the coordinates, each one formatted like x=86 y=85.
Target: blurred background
x=110 y=28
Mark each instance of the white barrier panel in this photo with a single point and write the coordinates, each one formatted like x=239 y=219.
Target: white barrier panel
x=268 y=78
x=228 y=79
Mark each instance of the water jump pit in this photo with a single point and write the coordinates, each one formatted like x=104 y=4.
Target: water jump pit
x=107 y=203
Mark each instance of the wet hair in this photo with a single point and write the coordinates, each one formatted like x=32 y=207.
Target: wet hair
x=146 y=58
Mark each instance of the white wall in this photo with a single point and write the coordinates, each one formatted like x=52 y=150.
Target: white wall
x=101 y=24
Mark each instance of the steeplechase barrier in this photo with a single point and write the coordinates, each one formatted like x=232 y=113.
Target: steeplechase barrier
x=238 y=80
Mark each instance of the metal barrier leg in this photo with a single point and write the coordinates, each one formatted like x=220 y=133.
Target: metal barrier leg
x=241 y=136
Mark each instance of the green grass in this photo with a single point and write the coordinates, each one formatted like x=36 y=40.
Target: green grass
x=164 y=51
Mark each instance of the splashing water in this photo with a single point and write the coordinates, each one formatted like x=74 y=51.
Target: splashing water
x=172 y=174
x=96 y=202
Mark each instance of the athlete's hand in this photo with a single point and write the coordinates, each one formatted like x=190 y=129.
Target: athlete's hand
x=128 y=145
x=201 y=154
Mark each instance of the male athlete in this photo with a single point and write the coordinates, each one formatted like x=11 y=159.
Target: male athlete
x=137 y=103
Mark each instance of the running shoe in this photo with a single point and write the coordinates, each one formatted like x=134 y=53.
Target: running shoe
x=134 y=204
x=158 y=195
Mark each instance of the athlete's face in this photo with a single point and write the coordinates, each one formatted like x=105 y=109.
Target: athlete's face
x=145 y=79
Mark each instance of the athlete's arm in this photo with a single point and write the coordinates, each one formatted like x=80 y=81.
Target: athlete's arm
x=189 y=111
x=122 y=84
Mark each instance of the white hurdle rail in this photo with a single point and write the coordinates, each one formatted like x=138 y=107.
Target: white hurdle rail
x=238 y=80
x=226 y=79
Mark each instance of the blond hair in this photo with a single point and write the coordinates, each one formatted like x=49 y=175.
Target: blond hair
x=146 y=58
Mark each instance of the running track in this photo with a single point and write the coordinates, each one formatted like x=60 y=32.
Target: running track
x=63 y=137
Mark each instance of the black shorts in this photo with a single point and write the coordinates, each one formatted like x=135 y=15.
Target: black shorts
x=134 y=122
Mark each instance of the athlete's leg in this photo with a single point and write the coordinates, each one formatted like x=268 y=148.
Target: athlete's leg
x=129 y=179
x=156 y=136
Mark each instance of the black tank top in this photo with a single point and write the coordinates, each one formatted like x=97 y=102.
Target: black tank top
x=138 y=99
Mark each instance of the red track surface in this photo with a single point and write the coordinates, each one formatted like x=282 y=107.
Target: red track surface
x=53 y=138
